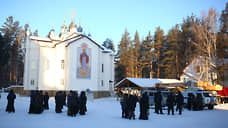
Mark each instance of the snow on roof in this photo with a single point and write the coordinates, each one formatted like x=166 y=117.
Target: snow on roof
x=149 y=82
x=40 y=38
x=106 y=50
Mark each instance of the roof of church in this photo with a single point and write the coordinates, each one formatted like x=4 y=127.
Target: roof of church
x=67 y=41
x=78 y=37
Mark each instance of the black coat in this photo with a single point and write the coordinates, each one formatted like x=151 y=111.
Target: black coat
x=144 y=106
x=132 y=102
x=46 y=98
x=82 y=102
x=158 y=98
x=180 y=99
x=10 y=106
x=170 y=100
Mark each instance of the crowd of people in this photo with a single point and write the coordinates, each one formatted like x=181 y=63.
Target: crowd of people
x=39 y=102
x=195 y=103
x=77 y=104
x=128 y=104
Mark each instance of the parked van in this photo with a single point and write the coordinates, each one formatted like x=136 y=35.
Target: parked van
x=209 y=100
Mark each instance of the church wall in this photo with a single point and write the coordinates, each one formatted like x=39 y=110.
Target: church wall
x=47 y=66
x=31 y=65
x=83 y=83
x=60 y=67
x=107 y=71
x=67 y=67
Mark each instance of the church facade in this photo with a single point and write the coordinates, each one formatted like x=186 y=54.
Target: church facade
x=69 y=61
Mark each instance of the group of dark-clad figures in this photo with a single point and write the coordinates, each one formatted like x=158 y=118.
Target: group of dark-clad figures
x=77 y=104
x=39 y=102
x=128 y=104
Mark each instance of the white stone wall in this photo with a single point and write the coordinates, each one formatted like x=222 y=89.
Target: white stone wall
x=60 y=66
x=107 y=74
x=47 y=69
x=80 y=83
x=31 y=65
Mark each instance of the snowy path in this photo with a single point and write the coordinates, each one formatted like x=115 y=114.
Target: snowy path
x=106 y=113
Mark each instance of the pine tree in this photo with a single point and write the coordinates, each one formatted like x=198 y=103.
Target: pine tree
x=108 y=43
x=188 y=49
x=159 y=42
x=136 y=53
x=222 y=46
x=13 y=34
x=123 y=53
x=146 y=57
x=4 y=51
x=171 y=60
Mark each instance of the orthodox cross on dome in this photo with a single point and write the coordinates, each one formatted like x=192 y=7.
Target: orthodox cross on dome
x=52 y=27
x=73 y=14
x=79 y=21
x=64 y=18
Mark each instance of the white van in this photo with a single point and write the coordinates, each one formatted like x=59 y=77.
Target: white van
x=209 y=100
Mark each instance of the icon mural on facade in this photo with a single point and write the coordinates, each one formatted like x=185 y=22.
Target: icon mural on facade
x=84 y=62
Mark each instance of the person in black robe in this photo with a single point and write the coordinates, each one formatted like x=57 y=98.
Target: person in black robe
x=199 y=102
x=83 y=100
x=132 y=104
x=144 y=106
x=58 y=102
x=38 y=103
x=70 y=103
x=180 y=102
x=10 y=106
x=46 y=98
x=170 y=103
x=64 y=98
x=61 y=99
x=158 y=102
x=75 y=104
x=32 y=100
x=190 y=101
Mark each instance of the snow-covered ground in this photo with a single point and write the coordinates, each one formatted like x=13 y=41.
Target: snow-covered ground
x=106 y=113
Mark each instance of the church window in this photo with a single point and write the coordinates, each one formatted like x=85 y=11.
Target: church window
x=102 y=83
x=32 y=82
x=102 y=67
x=198 y=69
x=62 y=64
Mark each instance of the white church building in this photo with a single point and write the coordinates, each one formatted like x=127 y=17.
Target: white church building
x=69 y=61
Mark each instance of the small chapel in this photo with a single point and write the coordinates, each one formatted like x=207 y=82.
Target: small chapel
x=68 y=61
